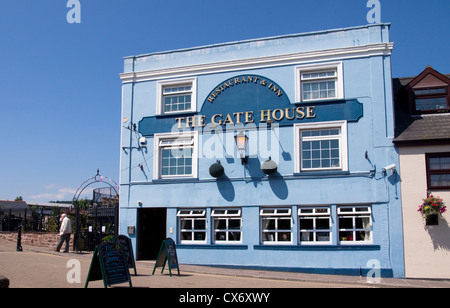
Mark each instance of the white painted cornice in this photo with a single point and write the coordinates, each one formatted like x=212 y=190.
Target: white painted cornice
x=370 y=50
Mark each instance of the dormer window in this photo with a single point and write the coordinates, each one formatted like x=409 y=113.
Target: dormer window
x=431 y=99
x=429 y=92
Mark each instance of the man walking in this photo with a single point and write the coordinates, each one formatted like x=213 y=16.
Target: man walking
x=64 y=232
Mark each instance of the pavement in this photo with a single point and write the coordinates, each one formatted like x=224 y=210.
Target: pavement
x=44 y=268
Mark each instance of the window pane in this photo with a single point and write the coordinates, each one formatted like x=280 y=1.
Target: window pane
x=322 y=223
x=234 y=224
x=440 y=180
x=221 y=236
x=345 y=223
x=439 y=163
x=430 y=91
x=234 y=236
x=362 y=236
x=323 y=236
x=268 y=224
x=435 y=103
x=346 y=236
x=199 y=224
x=176 y=161
x=220 y=224
x=268 y=236
x=186 y=236
x=306 y=236
x=199 y=236
x=306 y=223
x=284 y=224
x=362 y=222
x=284 y=236
x=186 y=224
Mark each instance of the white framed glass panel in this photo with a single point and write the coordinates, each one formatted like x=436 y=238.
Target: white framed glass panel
x=276 y=225
x=192 y=226
x=314 y=225
x=321 y=146
x=227 y=224
x=355 y=224
x=176 y=96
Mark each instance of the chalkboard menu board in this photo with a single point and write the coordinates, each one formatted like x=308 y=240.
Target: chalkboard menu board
x=167 y=254
x=109 y=264
x=127 y=247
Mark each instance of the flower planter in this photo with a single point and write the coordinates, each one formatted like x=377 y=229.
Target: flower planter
x=431 y=208
x=432 y=220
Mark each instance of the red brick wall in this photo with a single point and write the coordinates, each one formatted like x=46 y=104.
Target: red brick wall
x=34 y=238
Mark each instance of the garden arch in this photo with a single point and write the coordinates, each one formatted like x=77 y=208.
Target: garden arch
x=98 y=178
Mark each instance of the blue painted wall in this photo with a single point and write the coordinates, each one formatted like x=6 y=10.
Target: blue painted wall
x=367 y=93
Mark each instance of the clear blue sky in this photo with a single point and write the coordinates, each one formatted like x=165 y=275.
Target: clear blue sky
x=60 y=91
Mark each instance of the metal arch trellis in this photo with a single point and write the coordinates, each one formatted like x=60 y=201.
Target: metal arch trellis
x=95 y=179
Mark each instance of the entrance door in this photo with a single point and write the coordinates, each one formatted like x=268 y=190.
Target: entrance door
x=151 y=232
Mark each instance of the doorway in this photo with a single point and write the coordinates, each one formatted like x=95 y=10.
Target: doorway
x=151 y=232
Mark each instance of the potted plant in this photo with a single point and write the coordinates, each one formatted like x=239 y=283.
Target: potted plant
x=431 y=208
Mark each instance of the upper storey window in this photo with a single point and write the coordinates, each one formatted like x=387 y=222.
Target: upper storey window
x=176 y=96
x=319 y=82
x=431 y=99
x=429 y=92
x=318 y=85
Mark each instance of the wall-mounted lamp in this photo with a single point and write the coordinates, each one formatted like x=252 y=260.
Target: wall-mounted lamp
x=241 y=144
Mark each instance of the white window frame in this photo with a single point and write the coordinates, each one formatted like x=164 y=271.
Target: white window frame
x=182 y=137
x=343 y=151
x=192 y=215
x=315 y=214
x=310 y=68
x=226 y=215
x=352 y=212
x=161 y=85
x=276 y=214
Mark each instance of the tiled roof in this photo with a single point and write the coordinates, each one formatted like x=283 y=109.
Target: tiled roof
x=425 y=128
x=414 y=129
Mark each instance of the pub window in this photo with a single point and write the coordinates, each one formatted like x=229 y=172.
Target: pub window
x=276 y=225
x=355 y=224
x=431 y=99
x=438 y=170
x=176 y=96
x=321 y=146
x=176 y=155
x=315 y=225
x=319 y=82
x=227 y=226
x=192 y=223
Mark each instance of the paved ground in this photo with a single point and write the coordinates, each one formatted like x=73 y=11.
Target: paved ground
x=37 y=267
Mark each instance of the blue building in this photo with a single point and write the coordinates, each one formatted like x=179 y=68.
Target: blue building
x=269 y=153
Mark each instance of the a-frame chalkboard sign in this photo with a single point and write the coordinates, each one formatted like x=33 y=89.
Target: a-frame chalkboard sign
x=127 y=247
x=167 y=253
x=109 y=264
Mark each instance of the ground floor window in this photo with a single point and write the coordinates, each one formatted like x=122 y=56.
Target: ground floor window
x=312 y=225
x=315 y=225
x=355 y=224
x=227 y=226
x=276 y=226
x=192 y=224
